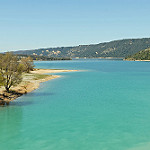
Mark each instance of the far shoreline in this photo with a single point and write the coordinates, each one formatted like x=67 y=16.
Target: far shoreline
x=136 y=60
x=31 y=82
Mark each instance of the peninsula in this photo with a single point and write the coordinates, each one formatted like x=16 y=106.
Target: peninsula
x=30 y=82
x=143 y=55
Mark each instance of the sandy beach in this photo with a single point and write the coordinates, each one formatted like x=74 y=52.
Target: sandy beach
x=44 y=71
x=30 y=82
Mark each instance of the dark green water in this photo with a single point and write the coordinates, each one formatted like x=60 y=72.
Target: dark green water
x=104 y=107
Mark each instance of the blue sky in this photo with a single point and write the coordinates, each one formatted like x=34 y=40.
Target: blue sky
x=29 y=24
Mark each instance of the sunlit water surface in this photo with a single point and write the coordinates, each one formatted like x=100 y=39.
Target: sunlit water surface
x=106 y=106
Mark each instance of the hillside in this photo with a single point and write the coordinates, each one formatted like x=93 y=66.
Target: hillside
x=142 y=55
x=42 y=58
x=118 y=48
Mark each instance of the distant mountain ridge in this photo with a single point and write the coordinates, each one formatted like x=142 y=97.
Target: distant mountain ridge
x=117 y=48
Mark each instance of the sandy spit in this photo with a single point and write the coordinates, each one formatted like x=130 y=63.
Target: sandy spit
x=44 y=71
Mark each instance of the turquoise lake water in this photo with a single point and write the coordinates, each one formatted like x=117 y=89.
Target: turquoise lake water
x=104 y=107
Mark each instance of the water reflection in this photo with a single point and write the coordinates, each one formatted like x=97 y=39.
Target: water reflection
x=28 y=99
x=10 y=125
x=21 y=103
x=40 y=94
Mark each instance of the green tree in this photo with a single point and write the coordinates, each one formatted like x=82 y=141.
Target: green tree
x=10 y=71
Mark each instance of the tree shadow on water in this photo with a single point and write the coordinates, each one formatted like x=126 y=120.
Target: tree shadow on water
x=40 y=94
x=21 y=103
x=25 y=102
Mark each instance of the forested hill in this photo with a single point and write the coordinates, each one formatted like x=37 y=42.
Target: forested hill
x=118 y=48
x=142 y=55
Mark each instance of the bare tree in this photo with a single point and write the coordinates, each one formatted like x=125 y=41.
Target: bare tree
x=28 y=64
x=10 y=71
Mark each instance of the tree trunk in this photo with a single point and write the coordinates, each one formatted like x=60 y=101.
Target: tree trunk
x=7 y=89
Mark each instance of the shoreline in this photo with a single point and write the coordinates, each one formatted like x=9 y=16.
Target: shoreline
x=134 y=60
x=31 y=82
x=141 y=60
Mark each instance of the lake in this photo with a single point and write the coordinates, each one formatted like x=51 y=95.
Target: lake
x=104 y=106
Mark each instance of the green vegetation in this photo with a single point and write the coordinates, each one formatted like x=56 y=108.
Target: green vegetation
x=40 y=76
x=142 y=55
x=118 y=48
x=1 y=81
x=11 y=69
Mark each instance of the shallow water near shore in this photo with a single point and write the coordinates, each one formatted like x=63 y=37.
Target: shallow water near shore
x=106 y=106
